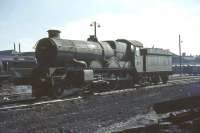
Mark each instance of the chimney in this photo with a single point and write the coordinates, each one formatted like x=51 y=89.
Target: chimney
x=54 y=34
x=19 y=48
x=14 y=47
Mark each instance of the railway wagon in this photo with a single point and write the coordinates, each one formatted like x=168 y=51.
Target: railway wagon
x=186 y=69
x=16 y=69
x=95 y=65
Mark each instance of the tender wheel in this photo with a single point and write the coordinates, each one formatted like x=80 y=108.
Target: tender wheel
x=113 y=84
x=127 y=84
x=164 y=78
x=155 y=79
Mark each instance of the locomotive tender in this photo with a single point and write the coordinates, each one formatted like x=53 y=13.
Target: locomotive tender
x=93 y=66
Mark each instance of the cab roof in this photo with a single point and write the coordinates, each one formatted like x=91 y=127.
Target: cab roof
x=133 y=42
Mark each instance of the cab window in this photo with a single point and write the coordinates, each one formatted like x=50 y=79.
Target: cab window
x=137 y=51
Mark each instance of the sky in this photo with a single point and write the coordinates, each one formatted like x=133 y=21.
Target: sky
x=153 y=22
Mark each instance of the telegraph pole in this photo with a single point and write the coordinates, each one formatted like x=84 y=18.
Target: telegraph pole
x=95 y=28
x=19 y=48
x=14 y=47
x=180 y=56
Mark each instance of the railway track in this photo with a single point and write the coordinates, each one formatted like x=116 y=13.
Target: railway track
x=26 y=100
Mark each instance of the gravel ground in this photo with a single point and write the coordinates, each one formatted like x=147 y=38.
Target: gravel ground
x=94 y=114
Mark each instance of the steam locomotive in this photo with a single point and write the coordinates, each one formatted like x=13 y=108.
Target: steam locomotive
x=94 y=66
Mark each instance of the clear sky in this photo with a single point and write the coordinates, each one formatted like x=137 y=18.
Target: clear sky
x=153 y=22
